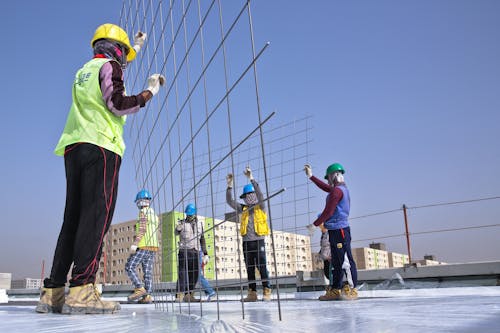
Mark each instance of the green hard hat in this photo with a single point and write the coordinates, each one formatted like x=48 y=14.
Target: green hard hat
x=333 y=168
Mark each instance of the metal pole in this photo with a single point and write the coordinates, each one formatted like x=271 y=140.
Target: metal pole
x=43 y=270
x=407 y=233
x=104 y=266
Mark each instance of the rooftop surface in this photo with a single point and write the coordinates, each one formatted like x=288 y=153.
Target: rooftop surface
x=465 y=309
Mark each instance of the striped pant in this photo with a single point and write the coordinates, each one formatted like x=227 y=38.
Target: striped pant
x=146 y=258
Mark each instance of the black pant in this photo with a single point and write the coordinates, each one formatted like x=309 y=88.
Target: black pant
x=327 y=269
x=189 y=269
x=340 y=244
x=91 y=187
x=255 y=257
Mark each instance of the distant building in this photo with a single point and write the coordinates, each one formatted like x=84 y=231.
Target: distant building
x=115 y=252
x=426 y=262
x=369 y=258
x=398 y=259
x=378 y=246
x=27 y=283
x=5 y=280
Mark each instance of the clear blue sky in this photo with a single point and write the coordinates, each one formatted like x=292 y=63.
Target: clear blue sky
x=405 y=94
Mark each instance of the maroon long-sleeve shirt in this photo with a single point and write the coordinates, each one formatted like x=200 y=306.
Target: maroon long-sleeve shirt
x=113 y=90
x=332 y=200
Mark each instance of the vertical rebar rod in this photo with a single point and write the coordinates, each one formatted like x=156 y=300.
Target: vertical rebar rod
x=263 y=152
x=407 y=233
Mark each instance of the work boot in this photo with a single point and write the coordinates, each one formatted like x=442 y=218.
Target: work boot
x=267 y=295
x=137 y=294
x=331 y=295
x=251 y=296
x=349 y=293
x=51 y=300
x=327 y=290
x=179 y=297
x=190 y=298
x=86 y=299
x=146 y=300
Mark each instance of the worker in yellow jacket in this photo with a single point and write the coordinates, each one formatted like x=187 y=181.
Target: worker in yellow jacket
x=143 y=249
x=253 y=228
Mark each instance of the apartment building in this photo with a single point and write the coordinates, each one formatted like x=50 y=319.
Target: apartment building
x=369 y=258
x=373 y=257
x=292 y=251
x=115 y=252
x=26 y=283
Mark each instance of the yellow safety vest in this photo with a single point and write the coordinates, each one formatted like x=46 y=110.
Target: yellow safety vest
x=259 y=221
x=89 y=119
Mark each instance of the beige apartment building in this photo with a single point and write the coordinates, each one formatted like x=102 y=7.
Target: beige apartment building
x=292 y=251
x=373 y=257
x=115 y=252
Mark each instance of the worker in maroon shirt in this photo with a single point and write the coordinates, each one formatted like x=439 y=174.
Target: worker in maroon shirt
x=335 y=218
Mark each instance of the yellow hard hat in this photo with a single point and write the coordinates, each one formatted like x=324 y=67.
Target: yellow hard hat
x=114 y=32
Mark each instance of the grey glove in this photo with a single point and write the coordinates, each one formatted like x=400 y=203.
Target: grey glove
x=310 y=229
x=229 y=179
x=248 y=172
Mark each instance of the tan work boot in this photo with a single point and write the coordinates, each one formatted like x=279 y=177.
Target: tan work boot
x=86 y=299
x=327 y=290
x=251 y=296
x=179 y=297
x=138 y=293
x=190 y=298
x=146 y=300
x=331 y=295
x=267 y=295
x=349 y=293
x=51 y=300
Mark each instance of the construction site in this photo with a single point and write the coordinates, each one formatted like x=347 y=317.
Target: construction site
x=207 y=121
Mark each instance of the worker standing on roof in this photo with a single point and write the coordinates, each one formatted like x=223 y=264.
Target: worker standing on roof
x=254 y=229
x=143 y=249
x=191 y=242
x=335 y=218
x=92 y=145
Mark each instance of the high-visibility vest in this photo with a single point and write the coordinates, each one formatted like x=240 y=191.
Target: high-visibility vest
x=89 y=119
x=259 y=221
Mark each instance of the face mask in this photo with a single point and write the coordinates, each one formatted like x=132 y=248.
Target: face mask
x=336 y=178
x=142 y=203
x=250 y=198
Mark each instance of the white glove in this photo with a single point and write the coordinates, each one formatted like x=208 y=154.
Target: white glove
x=229 y=179
x=205 y=259
x=248 y=173
x=133 y=248
x=179 y=227
x=139 y=39
x=154 y=83
x=308 y=170
x=310 y=229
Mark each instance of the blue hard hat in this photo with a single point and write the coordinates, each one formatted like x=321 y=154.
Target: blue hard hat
x=248 y=188
x=190 y=210
x=143 y=194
